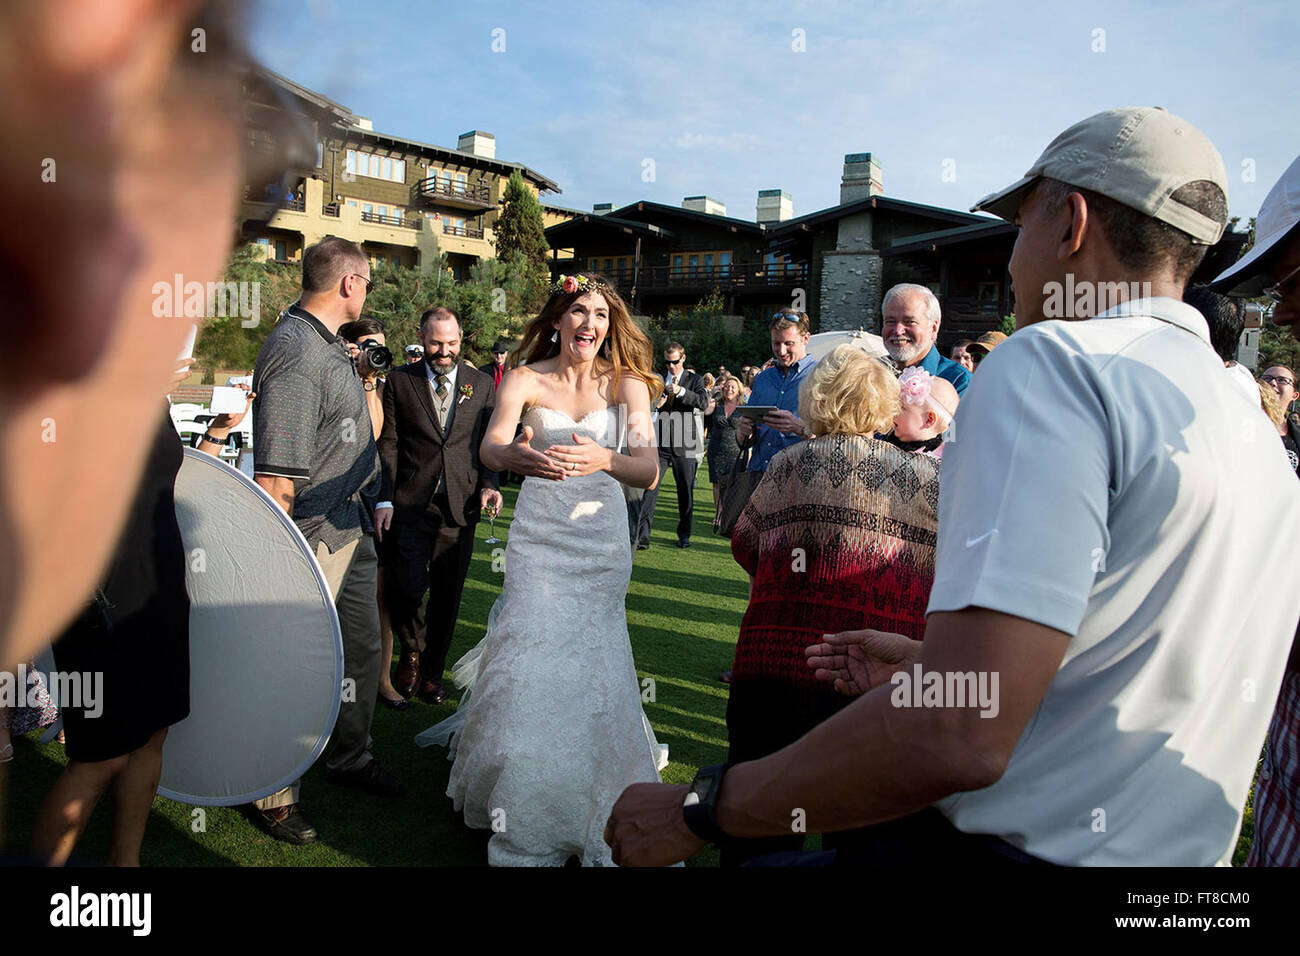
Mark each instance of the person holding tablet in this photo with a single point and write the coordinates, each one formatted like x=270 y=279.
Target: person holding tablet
x=778 y=386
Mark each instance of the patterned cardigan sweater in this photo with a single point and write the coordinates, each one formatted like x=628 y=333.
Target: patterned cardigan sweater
x=838 y=536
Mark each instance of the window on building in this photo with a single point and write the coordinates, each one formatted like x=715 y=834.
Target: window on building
x=320 y=153
x=773 y=262
x=395 y=261
x=610 y=264
x=281 y=250
x=362 y=163
x=714 y=263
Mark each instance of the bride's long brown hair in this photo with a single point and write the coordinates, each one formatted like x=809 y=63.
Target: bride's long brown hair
x=625 y=345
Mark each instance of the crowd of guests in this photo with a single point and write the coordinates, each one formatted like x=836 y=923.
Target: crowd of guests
x=1107 y=562
x=1124 y=569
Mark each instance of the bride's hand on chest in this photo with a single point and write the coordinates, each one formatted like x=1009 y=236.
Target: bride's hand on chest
x=583 y=457
x=527 y=460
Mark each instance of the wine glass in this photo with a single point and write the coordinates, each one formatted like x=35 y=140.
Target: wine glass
x=492 y=523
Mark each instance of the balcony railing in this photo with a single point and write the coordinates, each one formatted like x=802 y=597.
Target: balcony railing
x=454 y=193
x=296 y=205
x=467 y=232
x=736 y=277
x=330 y=209
x=382 y=220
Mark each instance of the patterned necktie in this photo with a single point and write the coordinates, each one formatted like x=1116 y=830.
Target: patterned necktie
x=442 y=386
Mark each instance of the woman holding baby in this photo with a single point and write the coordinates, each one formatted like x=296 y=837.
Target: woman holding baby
x=839 y=536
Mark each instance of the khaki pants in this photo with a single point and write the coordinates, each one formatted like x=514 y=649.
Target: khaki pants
x=352 y=576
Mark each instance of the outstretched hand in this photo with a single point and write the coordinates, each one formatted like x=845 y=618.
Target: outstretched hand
x=527 y=460
x=857 y=661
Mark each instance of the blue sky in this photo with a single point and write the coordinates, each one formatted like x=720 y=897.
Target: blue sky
x=717 y=96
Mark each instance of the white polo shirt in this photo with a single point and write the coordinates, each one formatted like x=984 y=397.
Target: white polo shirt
x=1108 y=480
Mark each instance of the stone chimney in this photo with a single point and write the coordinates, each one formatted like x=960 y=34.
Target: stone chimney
x=704 y=204
x=861 y=178
x=478 y=143
x=603 y=208
x=364 y=123
x=774 y=205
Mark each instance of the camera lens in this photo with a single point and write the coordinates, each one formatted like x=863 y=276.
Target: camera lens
x=379 y=357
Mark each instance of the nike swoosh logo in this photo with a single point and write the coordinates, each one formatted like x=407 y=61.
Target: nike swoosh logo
x=971 y=542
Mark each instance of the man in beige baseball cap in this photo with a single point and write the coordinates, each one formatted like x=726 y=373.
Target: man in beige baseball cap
x=1125 y=192
x=1115 y=547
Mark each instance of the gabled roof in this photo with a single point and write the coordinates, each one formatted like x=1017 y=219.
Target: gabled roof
x=346 y=121
x=463 y=156
x=640 y=212
x=883 y=203
x=547 y=206
x=658 y=209
x=344 y=116
x=929 y=241
x=589 y=220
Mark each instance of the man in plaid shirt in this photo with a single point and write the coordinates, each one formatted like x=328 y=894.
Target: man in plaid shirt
x=1272 y=268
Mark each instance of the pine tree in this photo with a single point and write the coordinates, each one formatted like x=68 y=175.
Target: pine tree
x=520 y=229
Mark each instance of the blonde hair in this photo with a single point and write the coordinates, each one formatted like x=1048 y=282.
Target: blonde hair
x=1271 y=404
x=849 y=392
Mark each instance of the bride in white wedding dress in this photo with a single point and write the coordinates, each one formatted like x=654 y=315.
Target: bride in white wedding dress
x=552 y=730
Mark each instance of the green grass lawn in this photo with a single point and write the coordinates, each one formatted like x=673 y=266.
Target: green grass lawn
x=684 y=610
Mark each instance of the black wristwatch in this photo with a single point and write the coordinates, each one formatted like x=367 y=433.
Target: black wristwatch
x=214 y=441
x=699 y=809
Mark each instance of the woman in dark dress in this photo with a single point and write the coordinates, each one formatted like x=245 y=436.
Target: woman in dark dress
x=357 y=334
x=723 y=448
x=132 y=644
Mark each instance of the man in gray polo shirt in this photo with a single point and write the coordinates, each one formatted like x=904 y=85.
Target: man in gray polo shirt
x=1111 y=608
x=315 y=455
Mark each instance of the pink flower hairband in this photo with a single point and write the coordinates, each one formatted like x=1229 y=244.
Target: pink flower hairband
x=914 y=387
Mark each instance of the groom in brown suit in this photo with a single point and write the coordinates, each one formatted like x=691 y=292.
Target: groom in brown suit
x=435 y=414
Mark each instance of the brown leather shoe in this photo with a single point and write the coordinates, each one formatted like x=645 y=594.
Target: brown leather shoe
x=408 y=674
x=432 y=692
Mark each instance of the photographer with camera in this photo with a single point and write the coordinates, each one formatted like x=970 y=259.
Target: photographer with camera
x=315 y=456
x=365 y=340
x=370 y=353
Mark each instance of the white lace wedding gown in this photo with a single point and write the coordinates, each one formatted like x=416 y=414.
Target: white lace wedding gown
x=553 y=730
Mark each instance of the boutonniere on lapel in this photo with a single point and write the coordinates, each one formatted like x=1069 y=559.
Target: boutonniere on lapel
x=466 y=391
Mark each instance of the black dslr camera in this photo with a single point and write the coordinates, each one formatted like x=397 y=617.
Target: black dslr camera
x=375 y=356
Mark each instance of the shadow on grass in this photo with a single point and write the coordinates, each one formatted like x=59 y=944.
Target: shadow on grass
x=707 y=597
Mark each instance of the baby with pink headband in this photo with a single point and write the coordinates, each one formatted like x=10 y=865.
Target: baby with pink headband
x=927 y=404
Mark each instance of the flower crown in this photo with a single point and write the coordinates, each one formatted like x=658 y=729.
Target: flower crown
x=914 y=387
x=567 y=285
